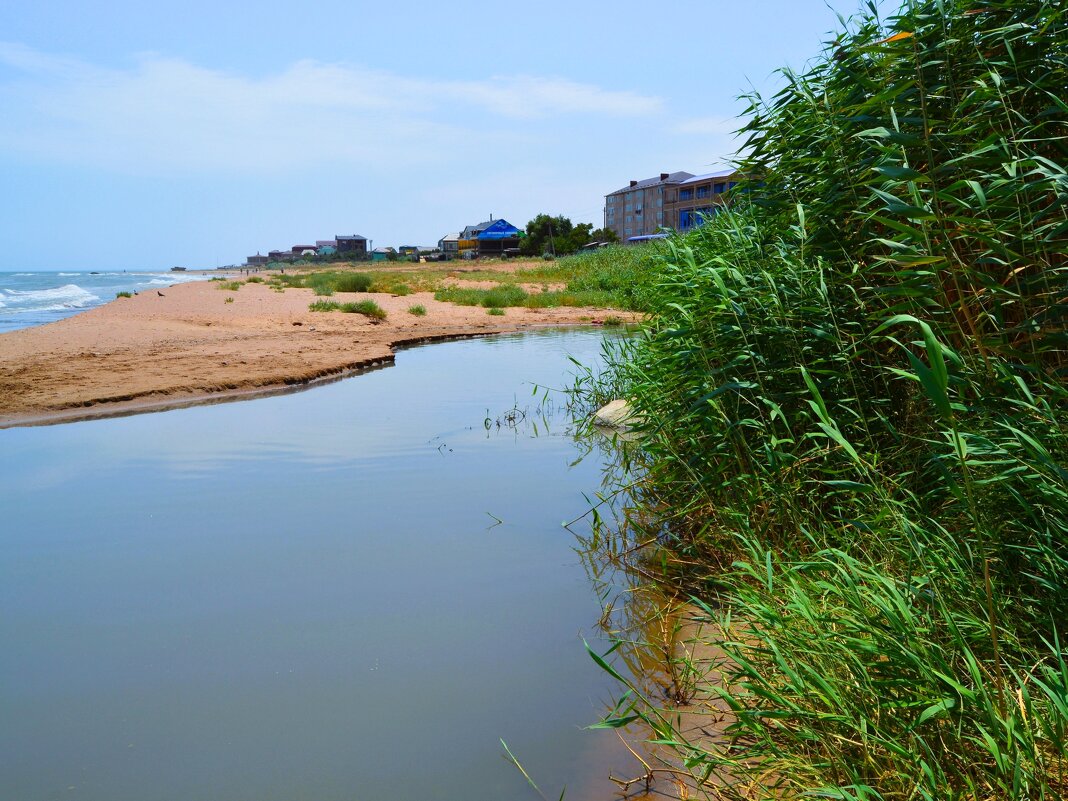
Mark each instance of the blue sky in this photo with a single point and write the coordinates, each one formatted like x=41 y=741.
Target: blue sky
x=144 y=135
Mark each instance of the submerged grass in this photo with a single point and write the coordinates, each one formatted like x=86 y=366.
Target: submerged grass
x=854 y=446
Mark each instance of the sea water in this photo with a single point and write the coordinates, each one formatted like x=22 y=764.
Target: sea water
x=34 y=298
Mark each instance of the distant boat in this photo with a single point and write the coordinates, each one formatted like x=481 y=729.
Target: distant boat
x=177 y=269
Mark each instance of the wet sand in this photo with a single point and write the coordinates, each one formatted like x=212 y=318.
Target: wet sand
x=189 y=345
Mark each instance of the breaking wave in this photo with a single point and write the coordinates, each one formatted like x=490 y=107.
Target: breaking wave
x=68 y=296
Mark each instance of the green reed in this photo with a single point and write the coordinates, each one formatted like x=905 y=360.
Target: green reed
x=856 y=419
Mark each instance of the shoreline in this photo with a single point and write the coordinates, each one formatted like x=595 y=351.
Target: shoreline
x=192 y=346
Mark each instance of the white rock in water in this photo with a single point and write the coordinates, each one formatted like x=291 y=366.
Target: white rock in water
x=618 y=414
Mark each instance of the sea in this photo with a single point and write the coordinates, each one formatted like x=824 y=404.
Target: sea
x=30 y=298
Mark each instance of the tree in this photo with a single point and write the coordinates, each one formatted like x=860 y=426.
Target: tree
x=547 y=234
x=603 y=235
x=558 y=235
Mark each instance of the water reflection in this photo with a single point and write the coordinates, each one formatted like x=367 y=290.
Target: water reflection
x=663 y=643
x=305 y=596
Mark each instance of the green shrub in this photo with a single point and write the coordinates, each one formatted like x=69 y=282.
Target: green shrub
x=352 y=282
x=496 y=311
x=324 y=306
x=254 y=279
x=124 y=294
x=500 y=296
x=418 y=310
x=368 y=308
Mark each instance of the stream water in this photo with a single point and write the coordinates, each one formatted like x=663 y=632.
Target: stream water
x=308 y=596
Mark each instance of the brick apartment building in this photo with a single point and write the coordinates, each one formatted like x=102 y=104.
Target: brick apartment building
x=672 y=200
x=638 y=209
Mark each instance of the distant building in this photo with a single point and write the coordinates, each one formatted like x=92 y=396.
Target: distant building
x=279 y=255
x=383 y=254
x=638 y=209
x=326 y=247
x=489 y=238
x=676 y=200
x=698 y=197
x=355 y=246
x=257 y=260
x=409 y=250
x=302 y=250
x=498 y=238
x=450 y=245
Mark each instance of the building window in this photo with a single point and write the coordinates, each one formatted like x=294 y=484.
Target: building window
x=703 y=191
x=659 y=202
x=732 y=184
x=721 y=187
x=686 y=219
x=685 y=194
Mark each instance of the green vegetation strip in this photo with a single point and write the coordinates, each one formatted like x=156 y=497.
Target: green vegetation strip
x=368 y=308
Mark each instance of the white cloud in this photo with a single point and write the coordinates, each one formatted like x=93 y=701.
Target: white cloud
x=165 y=115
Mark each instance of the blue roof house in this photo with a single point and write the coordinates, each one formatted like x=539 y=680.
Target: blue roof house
x=497 y=237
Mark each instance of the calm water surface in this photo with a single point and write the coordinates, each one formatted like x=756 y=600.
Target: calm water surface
x=305 y=596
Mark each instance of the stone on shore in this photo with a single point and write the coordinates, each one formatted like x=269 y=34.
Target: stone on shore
x=617 y=414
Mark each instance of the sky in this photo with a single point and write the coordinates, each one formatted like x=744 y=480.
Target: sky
x=147 y=135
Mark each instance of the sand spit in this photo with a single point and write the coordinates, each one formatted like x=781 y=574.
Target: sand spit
x=189 y=345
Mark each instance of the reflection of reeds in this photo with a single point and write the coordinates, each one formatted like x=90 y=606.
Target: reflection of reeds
x=856 y=428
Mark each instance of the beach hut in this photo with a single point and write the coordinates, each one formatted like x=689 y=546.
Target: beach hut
x=497 y=238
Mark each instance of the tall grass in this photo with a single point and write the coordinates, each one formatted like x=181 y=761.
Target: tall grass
x=857 y=420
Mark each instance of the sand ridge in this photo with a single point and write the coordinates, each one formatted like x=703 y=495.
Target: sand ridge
x=187 y=345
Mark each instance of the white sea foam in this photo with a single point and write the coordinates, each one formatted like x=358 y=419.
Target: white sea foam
x=67 y=275
x=68 y=296
x=175 y=279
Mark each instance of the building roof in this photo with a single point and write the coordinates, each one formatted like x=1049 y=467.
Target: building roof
x=325 y=243
x=354 y=237
x=471 y=231
x=499 y=229
x=450 y=237
x=709 y=175
x=673 y=178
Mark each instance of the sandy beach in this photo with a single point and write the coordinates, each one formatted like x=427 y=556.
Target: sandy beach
x=188 y=345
